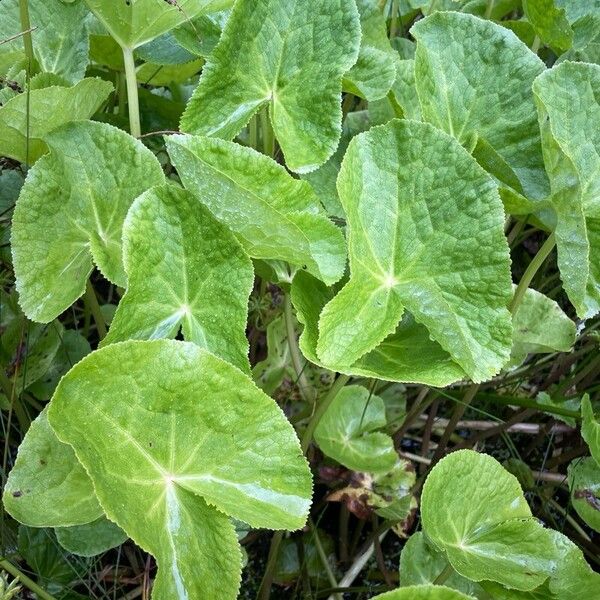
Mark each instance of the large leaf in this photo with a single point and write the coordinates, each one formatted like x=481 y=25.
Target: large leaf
x=419 y=209
x=424 y=592
x=572 y=154
x=407 y=355
x=184 y=270
x=290 y=55
x=135 y=22
x=375 y=70
x=42 y=110
x=71 y=210
x=92 y=538
x=590 y=428
x=584 y=482
x=475 y=511
x=172 y=440
x=274 y=215
x=539 y=326
x=474 y=81
x=550 y=23
x=348 y=431
x=60 y=37
x=47 y=486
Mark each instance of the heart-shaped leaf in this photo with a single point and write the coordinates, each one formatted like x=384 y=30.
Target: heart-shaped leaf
x=375 y=70
x=135 y=22
x=184 y=269
x=42 y=110
x=175 y=438
x=584 y=482
x=92 y=538
x=348 y=431
x=424 y=592
x=493 y=536
x=289 y=55
x=47 y=487
x=407 y=355
x=474 y=81
x=418 y=210
x=71 y=210
x=572 y=154
x=590 y=428
x=274 y=215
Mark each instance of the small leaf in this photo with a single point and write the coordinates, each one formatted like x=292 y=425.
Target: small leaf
x=375 y=70
x=47 y=487
x=289 y=55
x=92 y=538
x=550 y=23
x=474 y=81
x=424 y=592
x=174 y=437
x=274 y=215
x=42 y=110
x=348 y=431
x=539 y=326
x=407 y=189
x=590 y=428
x=572 y=154
x=584 y=482
x=71 y=209
x=136 y=22
x=492 y=537
x=184 y=269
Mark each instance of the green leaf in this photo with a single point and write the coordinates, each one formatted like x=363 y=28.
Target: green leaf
x=584 y=18
x=550 y=23
x=590 y=428
x=475 y=511
x=474 y=81
x=375 y=70
x=71 y=210
x=47 y=487
x=407 y=190
x=60 y=36
x=42 y=110
x=405 y=90
x=348 y=431
x=572 y=154
x=92 y=538
x=421 y=563
x=274 y=215
x=184 y=270
x=407 y=355
x=584 y=482
x=195 y=437
x=289 y=55
x=164 y=50
x=423 y=592
x=136 y=22
x=166 y=75
x=539 y=326
x=202 y=34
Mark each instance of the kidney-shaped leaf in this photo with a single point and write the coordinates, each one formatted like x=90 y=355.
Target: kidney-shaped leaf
x=375 y=70
x=424 y=592
x=569 y=110
x=274 y=215
x=184 y=269
x=172 y=434
x=348 y=431
x=419 y=209
x=48 y=487
x=135 y=22
x=71 y=210
x=584 y=481
x=291 y=55
x=474 y=81
x=474 y=510
x=42 y=110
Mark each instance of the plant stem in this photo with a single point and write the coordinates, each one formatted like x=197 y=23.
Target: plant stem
x=264 y=591
x=530 y=272
x=26 y=581
x=536 y=44
x=132 y=93
x=489 y=8
x=268 y=138
x=324 y=561
x=26 y=28
x=338 y=384
x=92 y=303
x=443 y=576
x=394 y=23
x=304 y=386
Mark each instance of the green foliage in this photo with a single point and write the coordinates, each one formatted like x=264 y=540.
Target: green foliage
x=92 y=538
x=584 y=482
